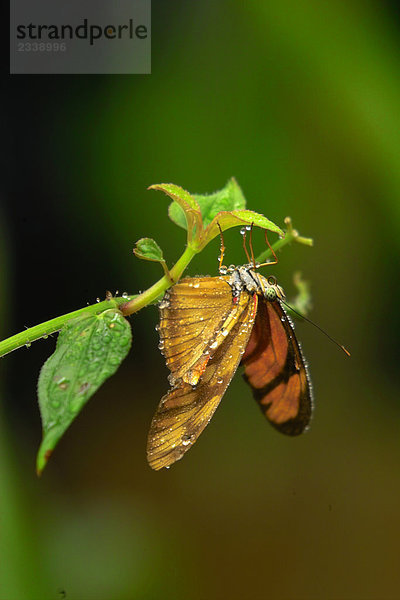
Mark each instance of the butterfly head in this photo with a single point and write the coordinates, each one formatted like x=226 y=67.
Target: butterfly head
x=272 y=291
x=245 y=277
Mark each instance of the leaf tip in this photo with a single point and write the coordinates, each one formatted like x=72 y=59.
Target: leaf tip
x=42 y=460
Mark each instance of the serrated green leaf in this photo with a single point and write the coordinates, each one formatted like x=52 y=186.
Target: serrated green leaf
x=177 y=193
x=236 y=218
x=148 y=249
x=88 y=351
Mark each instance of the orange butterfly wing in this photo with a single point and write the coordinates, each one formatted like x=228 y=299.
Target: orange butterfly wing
x=192 y=313
x=186 y=410
x=276 y=370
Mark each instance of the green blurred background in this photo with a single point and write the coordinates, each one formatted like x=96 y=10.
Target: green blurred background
x=301 y=103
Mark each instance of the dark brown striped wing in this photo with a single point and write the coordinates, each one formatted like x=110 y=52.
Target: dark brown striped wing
x=196 y=315
x=186 y=410
x=276 y=370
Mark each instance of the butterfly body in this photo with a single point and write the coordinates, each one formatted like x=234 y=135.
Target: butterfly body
x=208 y=326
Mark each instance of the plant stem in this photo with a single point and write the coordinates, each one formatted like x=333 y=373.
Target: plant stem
x=25 y=338
x=127 y=306
x=160 y=286
x=291 y=235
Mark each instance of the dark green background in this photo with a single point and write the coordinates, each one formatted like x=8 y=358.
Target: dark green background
x=301 y=103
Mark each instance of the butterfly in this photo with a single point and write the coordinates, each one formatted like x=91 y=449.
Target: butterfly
x=210 y=325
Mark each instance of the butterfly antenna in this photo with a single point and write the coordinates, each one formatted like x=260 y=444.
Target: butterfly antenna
x=243 y=231
x=251 y=246
x=222 y=247
x=318 y=327
x=272 y=262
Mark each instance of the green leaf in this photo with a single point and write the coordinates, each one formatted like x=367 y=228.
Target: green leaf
x=177 y=215
x=148 y=249
x=225 y=208
x=228 y=199
x=88 y=351
x=236 y=218
x=187 y=212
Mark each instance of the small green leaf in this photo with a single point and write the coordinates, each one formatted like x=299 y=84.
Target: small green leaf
x=88 y=351
x=177 y=215
x=148 y=249
x=186 y=213
x=302 y=303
